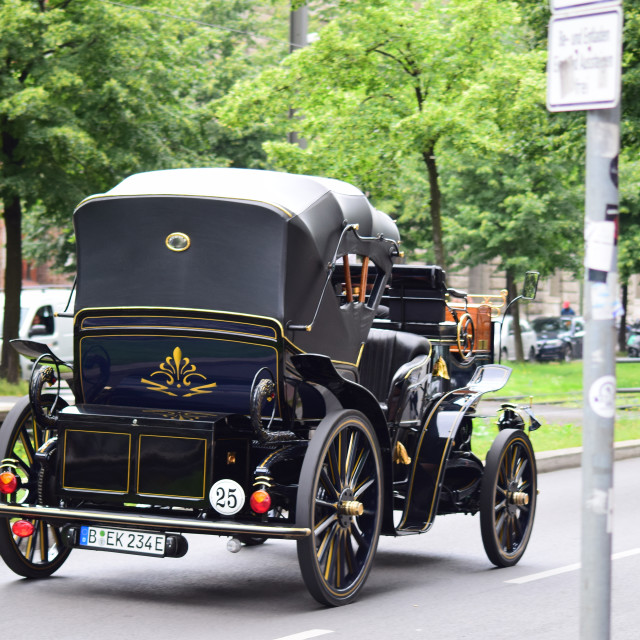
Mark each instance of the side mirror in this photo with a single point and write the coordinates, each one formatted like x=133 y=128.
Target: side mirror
x=530 y=287
x=38 y=330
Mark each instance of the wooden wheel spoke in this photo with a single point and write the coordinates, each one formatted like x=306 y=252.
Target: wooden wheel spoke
x=44 y=541
x=522 y=467
x=500 y=524
x=323 y=524
x=328 y=485
x=363 y=487
x=354 y=481
x=325 y=544
x=517 y=529
x=352 y=455
x=513 y=463
x=31 y=545
x=334 y=467
x=28 y=447
x=326 y=504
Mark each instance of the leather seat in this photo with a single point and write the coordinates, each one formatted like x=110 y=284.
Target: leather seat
x=385 y=351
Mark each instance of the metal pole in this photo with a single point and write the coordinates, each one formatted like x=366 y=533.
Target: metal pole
x=298 y=28
x=599 y=383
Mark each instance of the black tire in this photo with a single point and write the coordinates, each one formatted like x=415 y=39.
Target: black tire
x=251 y=541
x=42 y=553
x=508 y=497
x=340 y=500
x=532 y=354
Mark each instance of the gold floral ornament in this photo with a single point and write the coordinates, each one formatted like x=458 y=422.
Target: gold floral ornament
x=179 y=375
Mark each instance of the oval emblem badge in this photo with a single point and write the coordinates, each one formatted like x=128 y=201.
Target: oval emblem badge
x=178 y=241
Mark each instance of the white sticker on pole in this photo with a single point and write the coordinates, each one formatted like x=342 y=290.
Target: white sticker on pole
x=602 y=397
x=599 y=245
x=601 y=301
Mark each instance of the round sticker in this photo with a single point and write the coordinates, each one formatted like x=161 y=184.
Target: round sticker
x=602 y=397
x=227 y=497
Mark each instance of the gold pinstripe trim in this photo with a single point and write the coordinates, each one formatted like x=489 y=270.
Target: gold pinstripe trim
x=64 y=461
x=444 y=453
x=158 y=326
x=186 y=310
x=106 y=196
x=428 y=357
x=167 y=495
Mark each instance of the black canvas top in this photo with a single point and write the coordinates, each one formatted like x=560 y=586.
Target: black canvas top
x=259 y=242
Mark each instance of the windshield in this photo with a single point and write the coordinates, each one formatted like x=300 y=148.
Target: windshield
x=550 y=325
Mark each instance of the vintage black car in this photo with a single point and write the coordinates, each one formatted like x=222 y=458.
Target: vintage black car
x=250 y=362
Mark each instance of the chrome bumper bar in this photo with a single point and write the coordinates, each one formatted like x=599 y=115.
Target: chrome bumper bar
x=155 y=523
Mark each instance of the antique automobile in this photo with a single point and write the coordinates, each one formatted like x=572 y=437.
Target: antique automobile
x=250 y=361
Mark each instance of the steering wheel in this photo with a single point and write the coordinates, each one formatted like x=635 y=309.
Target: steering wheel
x=466 y=336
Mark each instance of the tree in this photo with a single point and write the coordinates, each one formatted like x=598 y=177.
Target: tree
x=388 y=88
x=521 y=207
x=91 y=91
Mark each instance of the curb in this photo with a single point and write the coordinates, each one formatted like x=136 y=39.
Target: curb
x=569 y=458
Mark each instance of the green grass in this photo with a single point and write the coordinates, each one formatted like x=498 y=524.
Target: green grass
x=552 y=436
x=550 y=380
x=20 y=389
x=560 y=382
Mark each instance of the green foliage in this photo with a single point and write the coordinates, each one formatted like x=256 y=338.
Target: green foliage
x=92 y=91
x=388 y=87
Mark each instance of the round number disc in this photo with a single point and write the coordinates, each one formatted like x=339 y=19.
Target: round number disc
x=227 y=497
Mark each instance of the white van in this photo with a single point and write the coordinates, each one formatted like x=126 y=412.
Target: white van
x=38 y=306
x=509 y=340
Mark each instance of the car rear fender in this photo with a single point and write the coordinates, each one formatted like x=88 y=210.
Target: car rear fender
x=320 y=370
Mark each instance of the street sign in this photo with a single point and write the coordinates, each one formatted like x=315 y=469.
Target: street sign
x=585 y=59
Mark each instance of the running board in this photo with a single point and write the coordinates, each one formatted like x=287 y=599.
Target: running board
x=155 y=523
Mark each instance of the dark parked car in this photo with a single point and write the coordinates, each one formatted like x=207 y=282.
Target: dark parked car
x=228 y=381
x=559 y=337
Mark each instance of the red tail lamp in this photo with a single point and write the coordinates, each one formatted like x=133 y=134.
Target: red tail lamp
x=8 y=482
x=260 y=501
x=23 y=528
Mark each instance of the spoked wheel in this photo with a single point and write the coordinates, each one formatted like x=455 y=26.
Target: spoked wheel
x=466 y=336
x=340 y=500
x=42 y=553
x=508 y=497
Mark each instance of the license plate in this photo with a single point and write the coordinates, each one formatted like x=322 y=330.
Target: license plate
x=139 y=542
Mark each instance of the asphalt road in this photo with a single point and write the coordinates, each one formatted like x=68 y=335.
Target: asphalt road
x=436 y=585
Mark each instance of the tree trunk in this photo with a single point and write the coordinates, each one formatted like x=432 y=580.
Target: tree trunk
x=9 y=368
x=622 y=331
x=515 y=314
x=435 y=206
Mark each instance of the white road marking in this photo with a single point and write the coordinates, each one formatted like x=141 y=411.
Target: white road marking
x=303 y=635
x=569 y=567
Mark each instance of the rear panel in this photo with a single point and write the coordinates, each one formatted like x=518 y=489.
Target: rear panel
x=174 y=359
